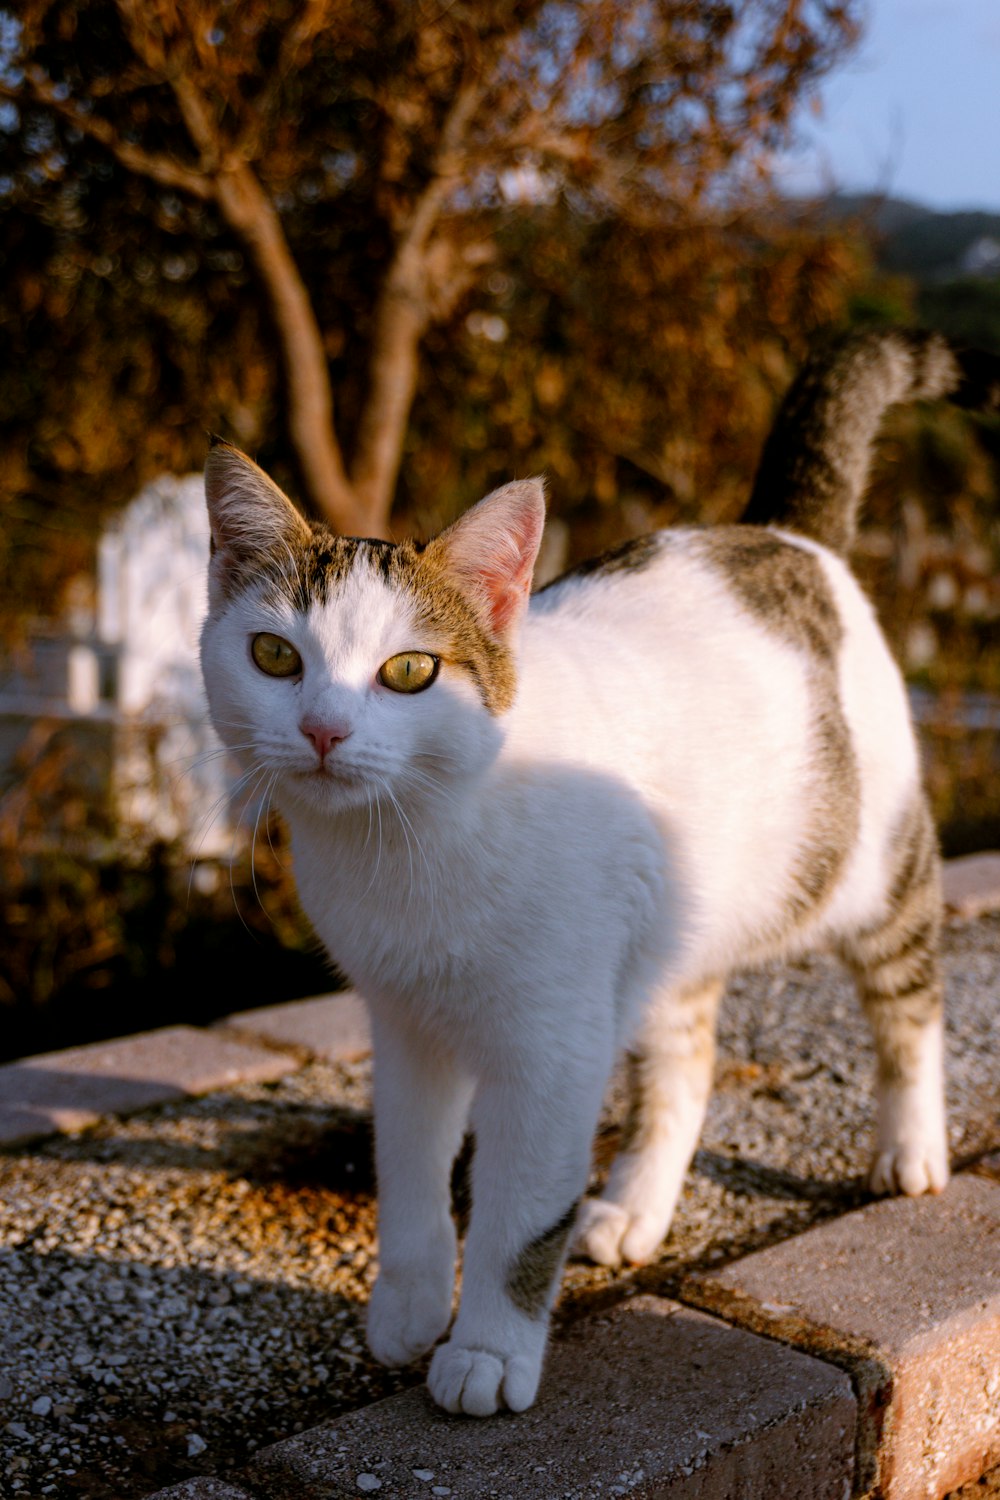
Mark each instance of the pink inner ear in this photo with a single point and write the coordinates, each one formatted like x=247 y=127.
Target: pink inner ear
x=493 y=547
x=507 y=590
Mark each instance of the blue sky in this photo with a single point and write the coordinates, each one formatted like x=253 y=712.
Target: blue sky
x=915 y=112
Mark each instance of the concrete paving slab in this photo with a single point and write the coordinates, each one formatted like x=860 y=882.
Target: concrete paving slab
x=333 y=1027
x=649 y=1399
x=972 y=884
x=906 y=1294
x=70 y=1090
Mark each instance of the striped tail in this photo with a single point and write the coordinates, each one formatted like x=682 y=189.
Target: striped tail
x=814 y=469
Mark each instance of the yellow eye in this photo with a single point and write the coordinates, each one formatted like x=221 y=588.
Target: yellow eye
x=408 y=672
x=275 y=656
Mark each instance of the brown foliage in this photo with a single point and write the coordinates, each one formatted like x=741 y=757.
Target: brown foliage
x=638 y=372
x=378 y=142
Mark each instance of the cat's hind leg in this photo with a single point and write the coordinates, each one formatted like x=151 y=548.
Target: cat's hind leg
x=421 y=1110
x=671 y=1079
x=896 y=966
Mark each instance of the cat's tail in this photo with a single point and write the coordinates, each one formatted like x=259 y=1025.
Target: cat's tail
x=814 y=469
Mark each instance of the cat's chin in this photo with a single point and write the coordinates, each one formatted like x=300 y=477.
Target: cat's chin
x=326 y=791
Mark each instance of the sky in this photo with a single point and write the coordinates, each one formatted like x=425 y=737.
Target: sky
x=915 y=112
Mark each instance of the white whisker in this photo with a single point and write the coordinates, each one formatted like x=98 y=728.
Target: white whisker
x=406 y=838
x=204 y=825
x=192 y=761
x=261 y=772
x=270 y=807
x=209 y=817
x=253 y=842
x=407 y=824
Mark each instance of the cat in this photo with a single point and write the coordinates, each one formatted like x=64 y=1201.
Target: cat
x=537 y=830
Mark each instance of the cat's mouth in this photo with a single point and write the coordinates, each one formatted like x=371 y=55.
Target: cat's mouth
x=328 y=775
x=330 y=781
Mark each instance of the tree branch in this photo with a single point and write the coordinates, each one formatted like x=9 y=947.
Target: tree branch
x=150 y=164
x=253 y=219
x=401 y=316
x=201 y=127
x=252 y=216
x=312 y=18
x=444 y=171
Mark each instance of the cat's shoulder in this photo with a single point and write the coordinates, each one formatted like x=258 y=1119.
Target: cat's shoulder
x=786 y=583
x=738 y=553
x=623 y=564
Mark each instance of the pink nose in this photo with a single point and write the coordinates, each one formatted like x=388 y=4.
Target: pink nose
x=323 y=736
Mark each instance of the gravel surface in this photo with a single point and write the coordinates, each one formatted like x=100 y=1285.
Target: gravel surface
x=182 y=1287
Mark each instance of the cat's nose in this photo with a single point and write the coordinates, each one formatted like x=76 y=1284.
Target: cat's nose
x=322 y=735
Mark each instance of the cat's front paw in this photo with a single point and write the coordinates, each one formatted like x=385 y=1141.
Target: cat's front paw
x=608 y=1234
x=479 y=1382
x=911 y=1169
x=407 y=1315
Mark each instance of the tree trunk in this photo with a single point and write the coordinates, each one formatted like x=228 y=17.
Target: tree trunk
x=401 y=317
x=362 y=503
x=400 y=320
x=252 y=217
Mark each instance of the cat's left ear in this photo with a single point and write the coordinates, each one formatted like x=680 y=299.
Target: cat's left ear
x=490 y=551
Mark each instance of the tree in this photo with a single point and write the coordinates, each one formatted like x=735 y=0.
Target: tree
x=363 y=154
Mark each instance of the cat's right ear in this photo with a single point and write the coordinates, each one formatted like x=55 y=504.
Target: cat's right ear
x=249 y=516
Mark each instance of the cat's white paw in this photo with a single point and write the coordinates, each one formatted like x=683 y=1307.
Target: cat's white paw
x=406 y=1316
x=479 y=1382
x=910 y=1169
x=608 y=1234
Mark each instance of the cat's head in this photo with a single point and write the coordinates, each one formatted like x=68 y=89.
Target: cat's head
x=351 y=668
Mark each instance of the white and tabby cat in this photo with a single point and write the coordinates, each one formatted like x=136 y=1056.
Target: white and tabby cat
x=536 y=831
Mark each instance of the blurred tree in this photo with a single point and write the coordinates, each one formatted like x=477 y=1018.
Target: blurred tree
x=638 y=372
x=356 y=160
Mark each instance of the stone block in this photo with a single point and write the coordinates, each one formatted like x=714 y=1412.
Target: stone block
x=905 y=1294
x=72 y=1089
x=651 y=1399
x=972 y=884
x=334 y=1027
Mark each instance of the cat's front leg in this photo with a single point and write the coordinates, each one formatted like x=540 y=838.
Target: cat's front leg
x=421 y=1108
x=530 y=1168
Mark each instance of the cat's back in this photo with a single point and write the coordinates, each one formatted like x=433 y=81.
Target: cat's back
x=740 y=593
x=681 y=659
x=738 y=602
x=738 y=678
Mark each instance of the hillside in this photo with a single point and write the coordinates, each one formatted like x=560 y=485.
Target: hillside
x=912 y=240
